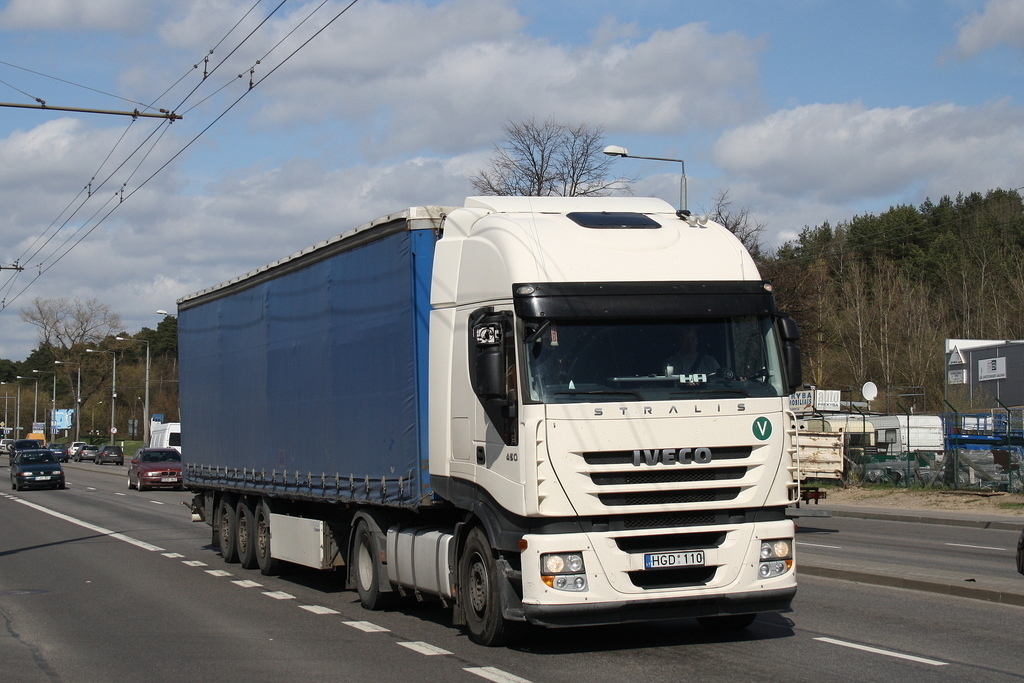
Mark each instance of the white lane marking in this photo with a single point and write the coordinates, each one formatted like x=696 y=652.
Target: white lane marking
x=496 y=675
x=976 y=547
x=218 y=572
x=173 y=556
x=246 y=583
x=156 y=502
x=318 y=609
x=195 y=563
x=880 y=651
x=120 y=494
x=818 y=545
x=424 y=648
x=367 y=627
x=92 y=527
x=279 y=595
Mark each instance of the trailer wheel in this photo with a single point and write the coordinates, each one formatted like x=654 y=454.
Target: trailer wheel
x=267 y=564
x=727 y=622
x=479 y=592
x=228 y=528
x=367 y=569
x=245 y=539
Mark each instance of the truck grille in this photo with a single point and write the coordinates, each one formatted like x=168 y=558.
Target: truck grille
x=670 y=497
x=638 y=483
x=673 y=578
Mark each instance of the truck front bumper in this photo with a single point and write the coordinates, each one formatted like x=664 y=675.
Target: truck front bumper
x=629 y=611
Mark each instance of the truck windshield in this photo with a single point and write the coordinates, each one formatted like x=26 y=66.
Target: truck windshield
x=570 y=361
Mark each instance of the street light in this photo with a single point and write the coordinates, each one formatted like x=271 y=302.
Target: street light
x=145 y=417
x=163 y=312
x=53 y=401
x=17 y=420
x=78 y=397
x=35 y=410
x=616 y=151
x=113 y=390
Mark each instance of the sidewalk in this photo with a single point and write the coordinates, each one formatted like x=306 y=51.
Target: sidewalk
x=1008 y=591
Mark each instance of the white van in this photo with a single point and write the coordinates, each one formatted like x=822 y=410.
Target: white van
x=165 y=435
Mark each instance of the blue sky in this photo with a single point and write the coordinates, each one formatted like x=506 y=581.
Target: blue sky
x=805 y=111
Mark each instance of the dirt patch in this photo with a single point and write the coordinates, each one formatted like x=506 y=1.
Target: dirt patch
x=997 y=503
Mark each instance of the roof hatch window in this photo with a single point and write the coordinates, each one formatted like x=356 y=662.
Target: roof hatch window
x=614 y=220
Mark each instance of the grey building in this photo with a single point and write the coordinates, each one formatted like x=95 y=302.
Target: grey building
x=987 y=372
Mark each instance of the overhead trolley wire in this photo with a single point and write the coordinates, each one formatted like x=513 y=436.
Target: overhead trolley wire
x=44 y=266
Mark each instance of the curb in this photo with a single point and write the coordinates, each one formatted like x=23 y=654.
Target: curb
x=1005 y=592
x=932 y=518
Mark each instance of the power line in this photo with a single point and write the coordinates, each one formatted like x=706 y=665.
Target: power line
x=121 y=195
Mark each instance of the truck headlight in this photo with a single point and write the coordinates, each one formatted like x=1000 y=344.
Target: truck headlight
x=776 y=557
x=563 y=571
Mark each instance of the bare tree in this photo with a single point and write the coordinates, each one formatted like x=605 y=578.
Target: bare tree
x=64 y=323
x=549 y=159
x=738 y=222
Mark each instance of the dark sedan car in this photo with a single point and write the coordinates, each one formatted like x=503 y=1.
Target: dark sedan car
x=60 y=451
x=155 y=467
x=108 y=453
x=36 y=467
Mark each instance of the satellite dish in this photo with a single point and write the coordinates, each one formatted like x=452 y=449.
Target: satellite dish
x=869 y=391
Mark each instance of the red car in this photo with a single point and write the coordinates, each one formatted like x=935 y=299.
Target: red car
x=152 y=468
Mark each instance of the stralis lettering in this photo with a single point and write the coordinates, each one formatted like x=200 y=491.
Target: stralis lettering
x=671 y=456
x=628 y=411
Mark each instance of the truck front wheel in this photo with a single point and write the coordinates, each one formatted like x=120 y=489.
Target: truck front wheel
x=480 y=593
x=367 y=569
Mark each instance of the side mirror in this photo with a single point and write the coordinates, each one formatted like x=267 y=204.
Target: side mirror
x=489 y=352
x=789 y=332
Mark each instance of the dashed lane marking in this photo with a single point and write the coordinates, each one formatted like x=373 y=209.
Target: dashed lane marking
x=246 y=583
x=279 y=595
x=218 y=572
x=425 y=648
x=319 y=609
x=367 y=627
x=496 y=675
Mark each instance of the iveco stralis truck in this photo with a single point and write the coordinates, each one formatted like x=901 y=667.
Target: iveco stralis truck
x=553 y=411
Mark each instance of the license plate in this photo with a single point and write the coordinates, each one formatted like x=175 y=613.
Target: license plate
x=689 y=558
x=43 y=478
x=168 y=480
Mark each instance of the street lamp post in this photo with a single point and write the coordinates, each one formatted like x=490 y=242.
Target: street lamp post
x=35 y=409
x=78 y=398
x=145 y=417
x=616 y=151
x=113 y=390
x=53 y=402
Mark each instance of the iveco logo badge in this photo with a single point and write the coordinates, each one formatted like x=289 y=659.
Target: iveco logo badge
x=671 y=456
x=762 y=428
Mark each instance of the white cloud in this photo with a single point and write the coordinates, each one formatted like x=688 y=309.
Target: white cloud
x=837 y=153
x=76 y=15
x=448 y=76
x=1001 y=21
